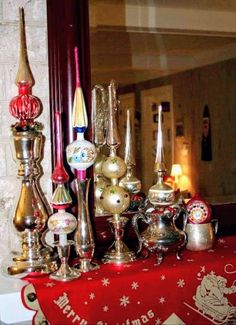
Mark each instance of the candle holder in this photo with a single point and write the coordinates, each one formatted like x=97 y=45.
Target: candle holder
x=31 y=213
x=99 y=122
x=62 y=223
x=115 y=199
x=81 y=154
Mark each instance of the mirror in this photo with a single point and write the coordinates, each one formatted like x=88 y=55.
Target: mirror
x=181 y=54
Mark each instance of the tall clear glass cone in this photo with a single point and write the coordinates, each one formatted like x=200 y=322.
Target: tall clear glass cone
x=99 y=115
x=113 y=138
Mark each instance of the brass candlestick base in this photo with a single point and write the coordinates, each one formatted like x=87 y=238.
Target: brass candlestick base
x=65 y=272
x=30 y=214
x=33 y=259
x=87 y=266
x=118 y=253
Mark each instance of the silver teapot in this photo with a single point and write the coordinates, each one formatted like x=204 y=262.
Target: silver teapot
x=162 y=234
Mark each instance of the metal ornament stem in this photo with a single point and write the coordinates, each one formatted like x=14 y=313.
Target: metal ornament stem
x=84 y=240
x=65 y=273
x=115 y=199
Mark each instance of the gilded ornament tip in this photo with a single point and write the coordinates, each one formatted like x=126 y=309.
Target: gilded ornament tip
x=24 y=74
x=79 y=114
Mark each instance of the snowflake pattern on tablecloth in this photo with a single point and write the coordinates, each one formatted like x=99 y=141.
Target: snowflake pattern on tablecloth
x=105 y=308
x=49 y=284
x=162 y=300
x=163 y=277
x=203 y=269
x=221 y=241
x=105 y=282
x=91 y=296
x=158 y=321
x=124 y=301
x=181 y=283
x=134 y=285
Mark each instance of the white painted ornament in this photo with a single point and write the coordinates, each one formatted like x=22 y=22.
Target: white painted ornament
x=81 y=153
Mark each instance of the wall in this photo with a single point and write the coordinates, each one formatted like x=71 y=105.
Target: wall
x=213 y=85
x=36 y=34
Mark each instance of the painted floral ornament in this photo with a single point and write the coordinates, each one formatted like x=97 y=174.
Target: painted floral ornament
x=62 y=223
x=81 y=153
x=199 y=211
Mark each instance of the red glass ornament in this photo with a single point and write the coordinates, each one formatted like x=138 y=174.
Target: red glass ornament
x=59 y=175
x=25 y=107
x=199 y=210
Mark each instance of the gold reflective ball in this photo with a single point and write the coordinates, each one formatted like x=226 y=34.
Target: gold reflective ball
x=113 y=167
x=100 y=185
x=115 y=199
x=97 y=167
x=131 y=184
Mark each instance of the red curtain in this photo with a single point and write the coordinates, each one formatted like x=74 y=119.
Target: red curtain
x=68 y=26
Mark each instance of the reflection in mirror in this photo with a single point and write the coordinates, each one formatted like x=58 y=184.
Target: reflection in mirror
x=180 y=54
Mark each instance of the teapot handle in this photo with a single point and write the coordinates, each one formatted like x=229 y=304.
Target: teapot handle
x=135 y=219
x=215 y=223
x=185 y=216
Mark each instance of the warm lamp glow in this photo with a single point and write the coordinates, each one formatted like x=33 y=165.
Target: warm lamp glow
x=176 y=170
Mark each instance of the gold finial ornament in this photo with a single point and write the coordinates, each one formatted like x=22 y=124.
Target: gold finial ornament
x=114 y=198
x=99 y=125
x=161 y=235
x=113 y=138
x=32 y=210
x=24 y=74
x=160 y=193
x=130 y=182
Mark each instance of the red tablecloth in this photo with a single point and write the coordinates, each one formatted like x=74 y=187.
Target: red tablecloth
x=199 y=289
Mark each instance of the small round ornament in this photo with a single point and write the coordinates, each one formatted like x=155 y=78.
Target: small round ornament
x=131 y=184
x=81 y=154
x=62 y=223
x=199 y=211
x=115 y=199
x=113 y=167
x=25 y=106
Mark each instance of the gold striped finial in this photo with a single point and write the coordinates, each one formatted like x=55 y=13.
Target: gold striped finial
x=24 y=74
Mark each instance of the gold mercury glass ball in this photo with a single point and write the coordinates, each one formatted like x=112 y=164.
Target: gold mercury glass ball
x=113 y=167
x=115 y=199
x=100 y=185
x=131 y=184
x=97 y=167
